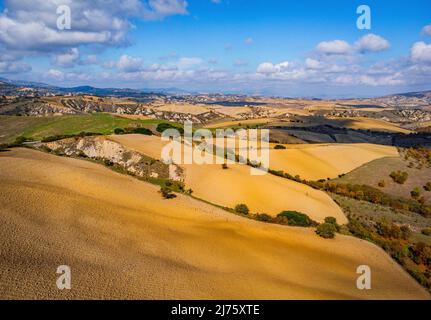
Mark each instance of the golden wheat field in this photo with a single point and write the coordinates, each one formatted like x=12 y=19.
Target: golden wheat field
x=122 y=240
x=262 y=194
x=314 y=162
x=372 y=124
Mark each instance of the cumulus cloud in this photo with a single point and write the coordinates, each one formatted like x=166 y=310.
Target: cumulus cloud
x=334 y=47
x=269 y=68
x=31 y=25
x=129 y=64
x=368 y=43
x=372 y=43
x=421 y=52
x=159 y=9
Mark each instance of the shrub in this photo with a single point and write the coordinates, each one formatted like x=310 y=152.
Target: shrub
x=415 y=193
x=119 y=131
x=242 y=209
x=143 y=131
x=331 y=220
x=326 y=230
x=167 y=193
x=427 y=232
x=296 y=218
x=392 y=231
x=164 y=126
x=399 y=177
x=279 y=147
x=108 y=163
x=224 y=166
x=427 y=187
x=263 y=217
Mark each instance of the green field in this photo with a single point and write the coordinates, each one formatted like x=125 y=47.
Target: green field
x=37 y=128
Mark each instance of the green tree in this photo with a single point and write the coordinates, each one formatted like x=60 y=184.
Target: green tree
x=296 y=218
x=326 y=230
x=242 y=209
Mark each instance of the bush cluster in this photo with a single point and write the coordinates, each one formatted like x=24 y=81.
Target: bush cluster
x=295 y=218
x=165 y=126
x=399 y=177
x=137 y=130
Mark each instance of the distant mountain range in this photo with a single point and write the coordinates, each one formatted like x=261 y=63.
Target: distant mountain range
x=15 y=87
x=120 y=92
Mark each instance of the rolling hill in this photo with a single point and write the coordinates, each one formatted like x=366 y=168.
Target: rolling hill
x=123 y=241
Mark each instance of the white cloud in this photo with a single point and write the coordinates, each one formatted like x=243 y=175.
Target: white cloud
x=129 y=64
x=159 y=9
x=269 y=68
x=421 y=52
x=312 y=63
x=427 y=30
x=55 y=74
x=334 y=47
x=372 y=43
x=31 y=25
x=67 y=59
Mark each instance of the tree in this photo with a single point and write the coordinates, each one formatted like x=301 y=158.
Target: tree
x=119 y=131
x=333 y=221
x=263 y=217
x=242 y=209
x=326 y=230
x=296 y=218
x=141 y=130
x=167 y=193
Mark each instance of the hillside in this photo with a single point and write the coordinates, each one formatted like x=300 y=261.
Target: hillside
x=262 y=194
x=122 y=240
x=314 y=162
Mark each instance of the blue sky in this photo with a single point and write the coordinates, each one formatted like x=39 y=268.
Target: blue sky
x=288 y=48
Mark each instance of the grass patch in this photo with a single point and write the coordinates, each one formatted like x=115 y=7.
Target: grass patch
x=38 y=128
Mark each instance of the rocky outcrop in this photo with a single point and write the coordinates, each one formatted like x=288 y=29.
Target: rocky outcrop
x=113 y=153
